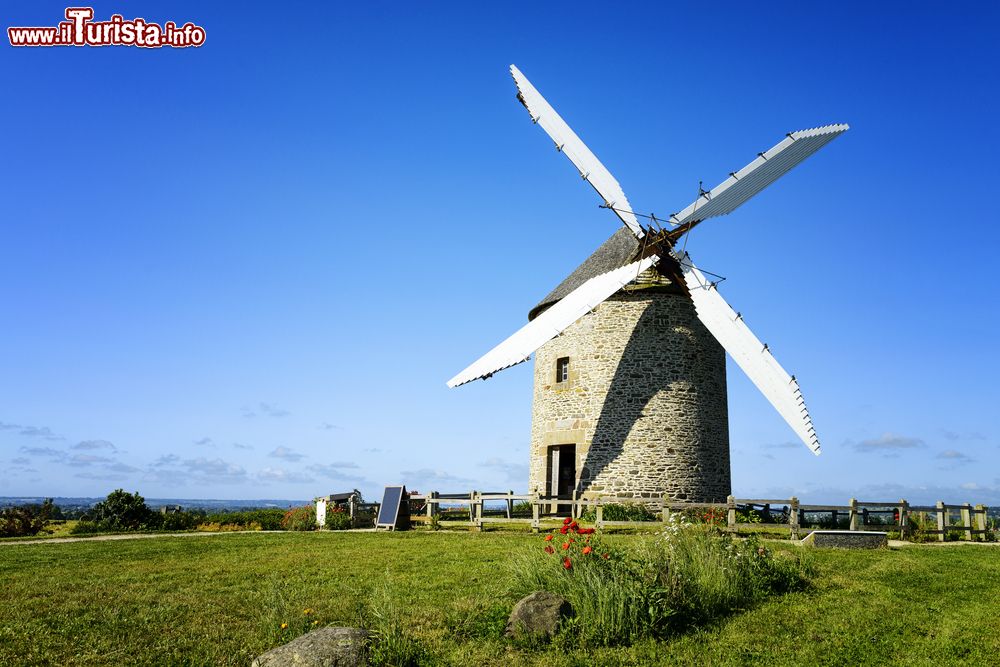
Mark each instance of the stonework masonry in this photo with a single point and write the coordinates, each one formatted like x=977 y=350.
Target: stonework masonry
x=644 y=403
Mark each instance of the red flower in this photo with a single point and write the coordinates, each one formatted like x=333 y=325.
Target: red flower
x=567 y=521
x=549 y=550
x=585 y=531
x=606 y=556
x=548 y=538
x=565 y=545
x=564 y=530
x=587 y=550
x=567 y=564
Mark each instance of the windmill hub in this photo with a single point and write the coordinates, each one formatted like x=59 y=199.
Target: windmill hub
x=630 y=366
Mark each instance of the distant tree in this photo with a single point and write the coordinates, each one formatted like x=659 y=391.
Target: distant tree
x=20 y=521
x=122 y=511
x=48 y=510
x=51 y=511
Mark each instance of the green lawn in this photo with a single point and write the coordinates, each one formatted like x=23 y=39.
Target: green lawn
x=221 y=600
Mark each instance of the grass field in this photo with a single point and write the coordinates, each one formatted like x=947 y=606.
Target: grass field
x=222 y=599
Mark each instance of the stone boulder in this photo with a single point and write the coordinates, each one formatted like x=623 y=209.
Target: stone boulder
x=326 y=647
x=538 y=614
x=846 y=539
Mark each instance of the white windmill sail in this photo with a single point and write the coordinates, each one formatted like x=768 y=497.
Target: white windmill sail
x=567 y=142
x=751 y=179
x=519 y=346
x=780 y=389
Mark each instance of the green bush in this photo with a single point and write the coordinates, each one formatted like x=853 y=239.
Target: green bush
x=337 y=518
x=267 y=519
x=179 y=521
x=20 y=522
x=86 y=527
x=122 y=511
x=619 y=512
x=687 y=575
x=300 y=518
x=522 y=508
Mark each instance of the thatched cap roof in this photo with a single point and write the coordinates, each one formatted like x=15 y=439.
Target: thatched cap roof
x=614 y=253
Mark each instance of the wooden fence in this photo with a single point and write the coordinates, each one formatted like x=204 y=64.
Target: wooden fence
x=472 y=510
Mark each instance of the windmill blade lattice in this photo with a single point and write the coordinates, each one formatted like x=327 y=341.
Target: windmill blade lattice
x=568 y=143
x=769 y=166
x=519 y=346
x=751 y=355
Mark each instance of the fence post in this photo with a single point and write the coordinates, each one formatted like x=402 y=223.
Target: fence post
x=854 y=514
x=731 y=512
x=981 y=521
x=600 y=515
x=793 y=517
x=510 y=504
x=573 y=508
x=476 y=507
x=904 y=519
x=942 y=516
x=864 y=518
x=536 y=506
x=664 y=510
x=967 y=521
x=432 y=508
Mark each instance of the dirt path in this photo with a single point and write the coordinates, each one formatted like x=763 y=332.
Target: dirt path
x=134 y=536
x=901 y=543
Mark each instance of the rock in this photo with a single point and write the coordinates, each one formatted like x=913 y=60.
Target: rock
x=846 y=539
x=538 y=614
x=326 y=647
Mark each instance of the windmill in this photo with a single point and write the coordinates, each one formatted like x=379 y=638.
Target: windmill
x=630 y=392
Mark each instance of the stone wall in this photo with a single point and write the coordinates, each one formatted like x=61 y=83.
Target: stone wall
x=645 y=401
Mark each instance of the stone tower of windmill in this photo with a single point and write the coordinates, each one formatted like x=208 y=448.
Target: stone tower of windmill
x=630 y=367
x=630 y=400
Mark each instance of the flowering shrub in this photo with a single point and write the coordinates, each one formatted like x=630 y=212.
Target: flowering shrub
x=300 y=518
x=688 y=574
x=337 y=518
x=714 y=517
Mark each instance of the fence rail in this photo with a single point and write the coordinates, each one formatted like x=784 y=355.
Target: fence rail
x=784 y=514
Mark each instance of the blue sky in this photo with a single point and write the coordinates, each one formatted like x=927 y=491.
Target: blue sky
x=246 y=270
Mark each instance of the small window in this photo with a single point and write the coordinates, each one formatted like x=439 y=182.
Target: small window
x=562 y=369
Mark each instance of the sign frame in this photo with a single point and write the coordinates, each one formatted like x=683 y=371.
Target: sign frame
x=398 y=505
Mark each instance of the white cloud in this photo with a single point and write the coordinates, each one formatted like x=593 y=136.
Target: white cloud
x=286 y=454
x=265 y=409
x=42 y=432
x=513 y=473
x=435 y=480
x=888 y=442
x=216 y=470
x=95 y=444
x=280 y=475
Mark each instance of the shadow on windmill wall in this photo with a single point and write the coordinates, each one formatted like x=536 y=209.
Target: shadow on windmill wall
x=663 y=427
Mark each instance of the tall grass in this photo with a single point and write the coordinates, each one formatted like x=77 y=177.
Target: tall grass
x=688 y=575
x=391 y=644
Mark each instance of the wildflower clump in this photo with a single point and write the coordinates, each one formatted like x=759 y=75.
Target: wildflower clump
x=298 y=626
x=653 y=586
